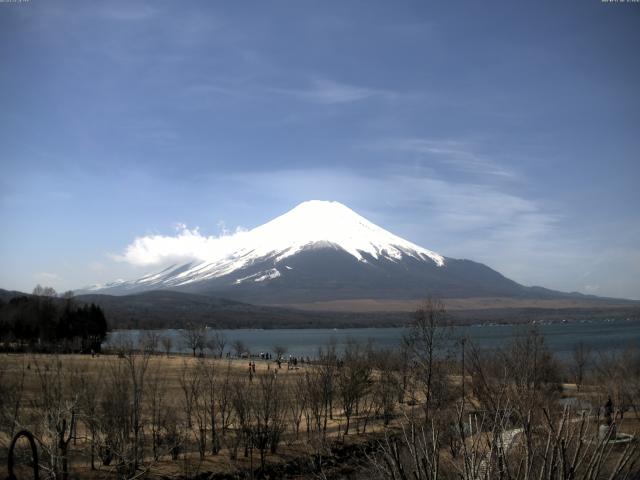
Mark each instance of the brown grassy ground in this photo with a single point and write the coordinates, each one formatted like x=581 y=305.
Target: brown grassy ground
x=168 y=370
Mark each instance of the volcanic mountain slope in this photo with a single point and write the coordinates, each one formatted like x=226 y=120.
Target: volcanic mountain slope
x=323 y=251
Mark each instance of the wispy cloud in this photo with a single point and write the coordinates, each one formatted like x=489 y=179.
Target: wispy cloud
x=461 y=155
x=96 y=266
x=314 y=92
x=319 y=91
x=46 y=277
x=125 y=12
x=451 y=205
x=200 y=95
x=152 y=131
x=327 y=92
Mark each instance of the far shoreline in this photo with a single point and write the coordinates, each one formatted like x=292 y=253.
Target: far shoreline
x=355 y=320
x=603 y=335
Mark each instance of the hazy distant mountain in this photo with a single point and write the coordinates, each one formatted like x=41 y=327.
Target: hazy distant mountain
x=322 y=251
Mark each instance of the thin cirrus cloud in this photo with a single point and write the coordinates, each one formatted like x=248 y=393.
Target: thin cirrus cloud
x=454 y=205
x=317 y=91
x=47 y=276
x=129 y=12
x=324 y=91
x=458 y=154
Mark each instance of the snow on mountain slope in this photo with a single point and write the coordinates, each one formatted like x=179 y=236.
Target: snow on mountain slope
x=310 y=225
x=320 y=223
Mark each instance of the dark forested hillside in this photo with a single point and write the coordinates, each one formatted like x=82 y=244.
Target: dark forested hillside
x=171 y=309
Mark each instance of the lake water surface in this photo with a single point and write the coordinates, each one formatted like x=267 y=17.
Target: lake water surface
x=602 y=336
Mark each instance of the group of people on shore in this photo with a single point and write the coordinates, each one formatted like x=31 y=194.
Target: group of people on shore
x=291 y=362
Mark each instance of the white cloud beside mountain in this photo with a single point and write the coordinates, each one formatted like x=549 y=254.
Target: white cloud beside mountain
x=187 y=244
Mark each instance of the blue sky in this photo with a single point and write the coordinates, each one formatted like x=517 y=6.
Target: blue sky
x=504 y=132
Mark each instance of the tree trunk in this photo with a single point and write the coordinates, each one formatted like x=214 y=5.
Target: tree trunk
x=214 y=434
x=65 y=462
x=93 y=451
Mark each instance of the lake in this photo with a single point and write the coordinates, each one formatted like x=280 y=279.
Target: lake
x=601 y=335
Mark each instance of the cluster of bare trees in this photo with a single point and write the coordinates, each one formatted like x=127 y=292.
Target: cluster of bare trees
x=196 y=338
x=618 y=374
x=199 y=339
x=485 y=414
x=124 y=414
x=116 y=414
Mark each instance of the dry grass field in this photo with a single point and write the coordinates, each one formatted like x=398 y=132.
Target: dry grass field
x=172 y=379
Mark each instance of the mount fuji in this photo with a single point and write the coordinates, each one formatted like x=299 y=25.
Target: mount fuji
x=323 y=251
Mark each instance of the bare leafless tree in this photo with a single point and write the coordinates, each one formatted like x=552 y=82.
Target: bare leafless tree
x=137 y=364
x=427 y=341
x=279 y=351
x=212 y=387
x=11 y=397
x=614 y=375
x=564 y=446
x=57 y=407
x=267 y=421
x=297 y=403
x=216 y=342
x=40 y=291
x=193 y=337
x=90 y=388
x=581 y=356
x=319 y=387
x=158 y=412
x=239 y=347
x=167 y=344
x=149 y=341
x=122 y=416
x=388 y=384
x=115 y=418
x=353 y=381
x=224 y=399
x=189 y=385
x=201 y=404
x=243 y=410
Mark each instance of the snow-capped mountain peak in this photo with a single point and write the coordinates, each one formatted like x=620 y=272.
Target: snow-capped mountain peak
x=318 y=222
x=322 y=252
x=311 y=225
